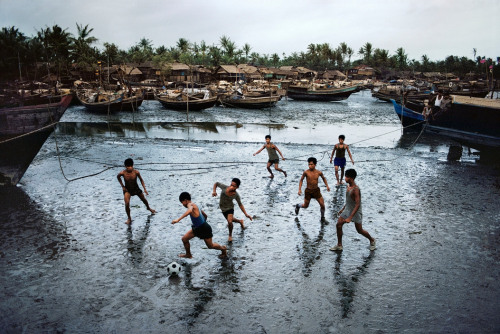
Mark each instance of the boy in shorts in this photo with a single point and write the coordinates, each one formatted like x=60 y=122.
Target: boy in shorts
x=131 y=188
x=273 y=156
x=199 y=227
x=226 y=204
x=340 y=160
x=312 y=189
x=351 y=212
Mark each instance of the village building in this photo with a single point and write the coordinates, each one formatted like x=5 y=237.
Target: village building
x=361 y=72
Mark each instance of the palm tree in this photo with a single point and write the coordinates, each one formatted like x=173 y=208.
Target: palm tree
x=81 y=48
x=275 y=59
x=56 y=43
x=228 y=47
x=366 y=51
x=215 y=55
x=183 y=45
x=13 y=48
x=401 y=58
x=246 y=49
x=142 y=51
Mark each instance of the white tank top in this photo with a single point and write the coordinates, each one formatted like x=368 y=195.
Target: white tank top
x=438 y=101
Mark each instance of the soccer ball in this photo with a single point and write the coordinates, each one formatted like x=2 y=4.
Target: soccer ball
x=173 y=269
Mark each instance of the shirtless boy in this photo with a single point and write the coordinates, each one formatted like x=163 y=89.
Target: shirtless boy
x=199 y=227
x=340 y=160
x=226 y=204
x=312 y=189
x=273 y=156
x=351 y=212
x=131 y=188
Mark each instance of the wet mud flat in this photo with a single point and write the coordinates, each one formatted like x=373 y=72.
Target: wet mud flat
x=68 y=263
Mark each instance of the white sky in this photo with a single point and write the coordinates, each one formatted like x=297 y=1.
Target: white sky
x=437 y=28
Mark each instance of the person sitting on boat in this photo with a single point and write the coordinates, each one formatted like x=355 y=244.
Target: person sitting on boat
x=436 y=103
x=426 y=112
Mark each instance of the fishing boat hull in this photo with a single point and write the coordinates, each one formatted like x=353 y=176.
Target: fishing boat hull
x=102 y=107
x=326 y=95
x=474 y=122
x=23 y=131
x=181 y=105
x=250 y=102
x=132 y=103
x=408 y=117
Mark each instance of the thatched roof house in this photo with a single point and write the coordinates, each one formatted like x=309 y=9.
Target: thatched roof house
x=229 y=73
x=332 y=75
x=251 y=72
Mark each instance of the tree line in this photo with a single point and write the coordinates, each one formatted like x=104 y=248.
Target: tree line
x=21 y=56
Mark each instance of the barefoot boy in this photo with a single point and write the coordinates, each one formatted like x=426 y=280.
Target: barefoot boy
x=200 y=227
x=273 y=156
x=131 y=188
x=226 y=204
x=340 y=161
x=312 y=190
x=351 y=211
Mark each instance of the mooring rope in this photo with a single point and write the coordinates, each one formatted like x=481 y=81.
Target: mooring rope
x=220 y=164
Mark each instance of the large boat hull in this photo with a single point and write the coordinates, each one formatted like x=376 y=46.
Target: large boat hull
x=23 y=131
x=408 y=117
x=473 y=122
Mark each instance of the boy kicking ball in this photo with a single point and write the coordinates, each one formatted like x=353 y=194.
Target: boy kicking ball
x=200 y=227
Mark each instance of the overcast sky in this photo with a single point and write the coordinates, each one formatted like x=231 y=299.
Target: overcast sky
x=437 y=28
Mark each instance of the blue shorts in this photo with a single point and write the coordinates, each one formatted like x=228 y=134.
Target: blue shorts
x=339 y=162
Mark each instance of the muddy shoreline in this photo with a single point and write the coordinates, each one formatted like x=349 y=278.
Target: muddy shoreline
x=68 y=262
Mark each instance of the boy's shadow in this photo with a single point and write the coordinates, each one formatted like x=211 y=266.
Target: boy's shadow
x=347 y=283
x=227 y=275
x=310 y=247
x=135 y=245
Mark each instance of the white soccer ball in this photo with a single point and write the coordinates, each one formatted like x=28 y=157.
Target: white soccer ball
x=173 y=269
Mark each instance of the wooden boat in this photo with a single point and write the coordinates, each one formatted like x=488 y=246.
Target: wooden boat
x=309 y=93
x=249 y=102
x=473 y=122
x=23 y=131
x=409 y=117
x=132 y=103
x=101 y=103
x=196 y=101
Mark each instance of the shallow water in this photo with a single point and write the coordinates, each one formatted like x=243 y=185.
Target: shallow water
x=68 y=263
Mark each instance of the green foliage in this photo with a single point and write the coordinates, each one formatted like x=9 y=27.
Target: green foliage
x=58 y=49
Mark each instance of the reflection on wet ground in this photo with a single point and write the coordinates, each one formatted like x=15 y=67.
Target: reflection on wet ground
x=68 y=263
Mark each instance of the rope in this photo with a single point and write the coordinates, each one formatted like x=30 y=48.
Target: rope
x=383 y=134
x=28 y=133
x=225 y=164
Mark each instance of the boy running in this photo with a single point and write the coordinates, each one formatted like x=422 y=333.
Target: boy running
x=273 y=156
x=340 y=160
x=312 y=190
x=131 y=188
x=351 y=212
x=226 y=204
x=200 y=227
